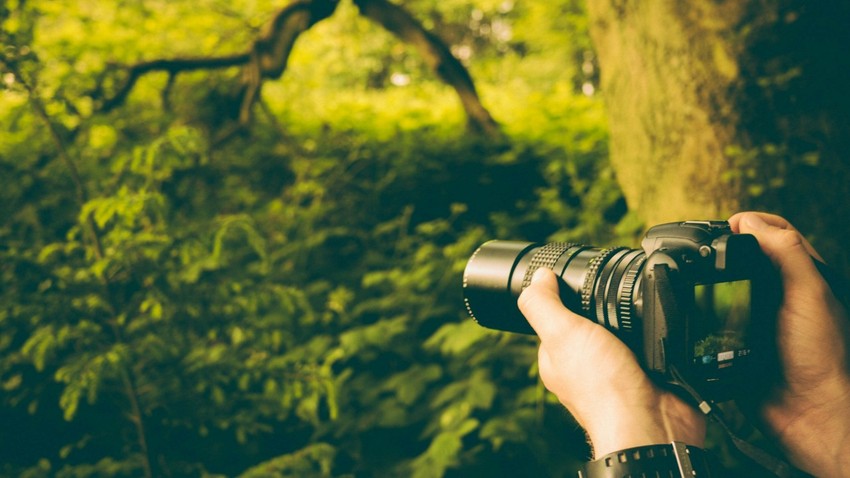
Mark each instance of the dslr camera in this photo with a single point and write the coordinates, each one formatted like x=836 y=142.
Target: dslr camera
x=697 y=303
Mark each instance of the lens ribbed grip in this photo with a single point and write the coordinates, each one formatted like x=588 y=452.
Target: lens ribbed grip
x=590 y=277
x=625 y=301
x=546 y=257
x=609 y=279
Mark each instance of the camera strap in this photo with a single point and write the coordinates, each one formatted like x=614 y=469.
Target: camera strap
x=778 y=467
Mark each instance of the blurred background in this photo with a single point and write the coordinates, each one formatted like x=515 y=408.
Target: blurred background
x=232 y=233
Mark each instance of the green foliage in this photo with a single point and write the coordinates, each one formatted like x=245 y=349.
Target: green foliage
x=313 y=460
x=796 y=127
x=286 y=303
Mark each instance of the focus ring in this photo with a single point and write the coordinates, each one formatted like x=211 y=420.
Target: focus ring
x=590 y=278
x=626 y=302
x=609 y=279
x=546 y=257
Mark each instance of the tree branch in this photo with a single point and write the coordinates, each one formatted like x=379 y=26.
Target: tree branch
x=266 y=58
x=437 y=55
x=173 y=67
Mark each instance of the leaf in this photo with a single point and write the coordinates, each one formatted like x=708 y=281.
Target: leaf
x=511 y=427
x=443 y=451
x=457 y=338
x=410 y=385
x=379 y=333
x=313 y=461
x=83 y=374
x=40 y=346
x=12 y=382
x=477 y=391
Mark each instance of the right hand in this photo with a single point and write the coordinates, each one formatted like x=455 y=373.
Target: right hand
x=809 y=412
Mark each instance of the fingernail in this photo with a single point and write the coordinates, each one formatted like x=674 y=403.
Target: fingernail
x=541 y=272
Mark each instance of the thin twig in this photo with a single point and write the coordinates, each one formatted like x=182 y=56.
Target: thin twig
x=82 y=197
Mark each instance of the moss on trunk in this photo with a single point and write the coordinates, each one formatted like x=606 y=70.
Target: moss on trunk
x=667 y=68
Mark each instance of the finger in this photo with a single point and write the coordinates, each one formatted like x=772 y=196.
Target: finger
x=757 y=219
x=771 y=219
x=541 y=305
x=785 y=246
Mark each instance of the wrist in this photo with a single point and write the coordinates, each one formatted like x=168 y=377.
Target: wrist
x=664 y=420
x=671 y=459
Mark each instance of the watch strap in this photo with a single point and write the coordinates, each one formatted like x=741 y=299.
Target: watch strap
x=672 y=460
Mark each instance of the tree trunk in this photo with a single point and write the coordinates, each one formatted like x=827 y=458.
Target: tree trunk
x=667 y=68
x=718 y=105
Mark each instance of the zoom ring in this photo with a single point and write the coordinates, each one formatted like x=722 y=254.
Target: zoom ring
x=546 y=257
x=590 y=277
x=626 y=300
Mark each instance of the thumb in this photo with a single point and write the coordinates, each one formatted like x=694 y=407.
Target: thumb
x=541 y=305
x=785 y=246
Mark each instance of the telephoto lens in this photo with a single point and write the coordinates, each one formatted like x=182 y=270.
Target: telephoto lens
x=600 y=284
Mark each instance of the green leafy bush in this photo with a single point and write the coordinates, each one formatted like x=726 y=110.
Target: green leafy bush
x=286 y=302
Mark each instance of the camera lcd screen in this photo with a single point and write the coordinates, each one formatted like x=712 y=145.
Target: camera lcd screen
x=720 y=336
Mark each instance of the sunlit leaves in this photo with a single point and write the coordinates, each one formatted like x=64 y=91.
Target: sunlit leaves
x=314 y=460
x=443 y=451
x=457 y=338
x=84 y=375
x=289 y=298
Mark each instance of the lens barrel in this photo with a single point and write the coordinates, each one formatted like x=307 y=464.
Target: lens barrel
x=600 y=284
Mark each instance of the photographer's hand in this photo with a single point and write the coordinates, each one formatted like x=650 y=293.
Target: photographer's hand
x=598 y=379
x=810 y=412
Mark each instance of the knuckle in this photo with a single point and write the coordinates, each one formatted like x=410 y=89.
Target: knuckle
x=789 y=238
x=528 y=297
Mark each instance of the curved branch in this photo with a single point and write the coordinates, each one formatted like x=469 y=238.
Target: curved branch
x=172 y=66
x=270 y=53
x=268 y=56
x=273 y=48
x=436 y=54
x=265 y=58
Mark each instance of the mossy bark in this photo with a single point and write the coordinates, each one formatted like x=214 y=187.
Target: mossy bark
x=667 y=68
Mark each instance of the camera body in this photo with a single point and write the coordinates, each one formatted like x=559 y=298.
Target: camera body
x=713 y=316
x=696 y=299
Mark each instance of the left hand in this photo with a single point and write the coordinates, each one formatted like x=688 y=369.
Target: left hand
x=597 y=377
